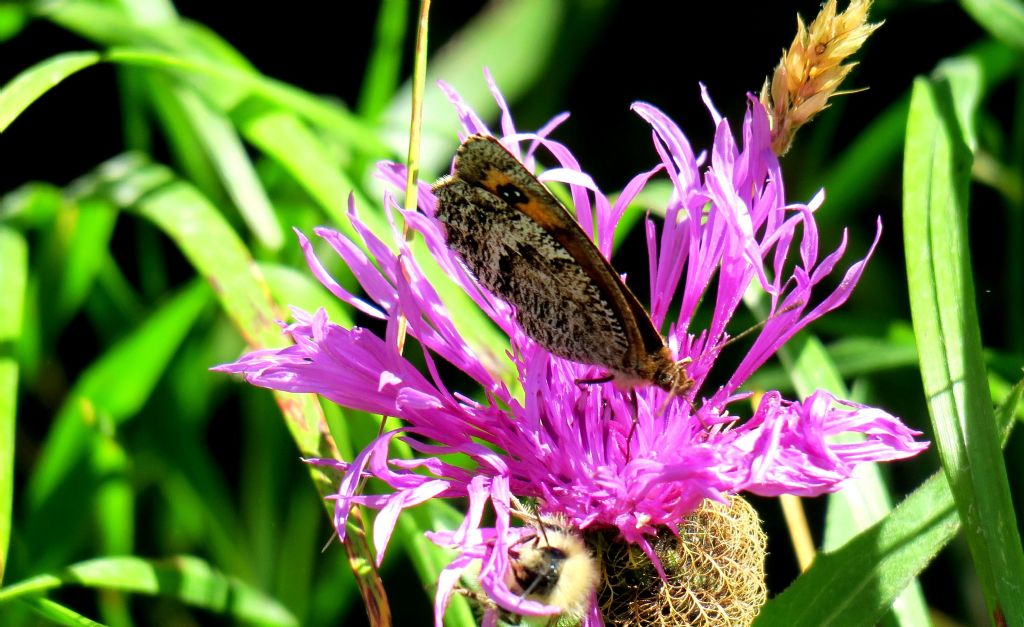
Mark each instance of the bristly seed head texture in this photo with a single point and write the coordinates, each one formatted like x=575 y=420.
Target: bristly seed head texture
x=812 y=69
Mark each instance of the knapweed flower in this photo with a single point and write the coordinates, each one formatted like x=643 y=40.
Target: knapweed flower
x=624 y=462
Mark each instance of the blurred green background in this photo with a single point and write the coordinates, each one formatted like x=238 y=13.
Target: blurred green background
x=186 y=139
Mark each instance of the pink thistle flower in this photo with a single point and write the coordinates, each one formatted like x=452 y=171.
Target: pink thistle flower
x=598 y=456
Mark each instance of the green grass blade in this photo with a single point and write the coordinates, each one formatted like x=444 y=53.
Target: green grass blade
x=187 y=579
x=237 y=173
x=287 y=140
x=331 y=116
x=12 y=20
x=33 y=205
x=13 y=279
x=1003 y=19
x=219 y=255
x=82 y=242
x=189 y=156
x=109 y=392
x=875 y=151
x=119 y=383
x=115 y=517
x=28 y=86
x=936 y=181
x=385 y=64
x=59 y=614
x=183 y=45
x=857 y=583
x=328 y=115
x=516 y=62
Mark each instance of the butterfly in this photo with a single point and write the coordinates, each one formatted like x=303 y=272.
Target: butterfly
x=522 y=245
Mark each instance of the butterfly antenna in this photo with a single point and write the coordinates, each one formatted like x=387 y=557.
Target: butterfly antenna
x=760 y=324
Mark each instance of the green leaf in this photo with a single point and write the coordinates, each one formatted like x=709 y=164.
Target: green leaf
x=331 y=116
x=12 y=21
x=865 y=498
x=936 y=183
x=1003 y=19
x=857 y=583
x=13 y=278
x=78 y=249
x=33 y=205
x=190 y=157
x=875 y=151
x=112 y=389
x=28 y=86
x=60 y=614
x=385 y=64
x=219 y=255
x=187 y=579
x=287 y=140
x=225 y=150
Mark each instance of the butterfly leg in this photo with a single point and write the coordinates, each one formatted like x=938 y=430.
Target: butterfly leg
x=605 y=378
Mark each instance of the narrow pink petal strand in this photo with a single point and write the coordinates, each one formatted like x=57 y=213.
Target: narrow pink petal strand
x=628 y=195
x=595 y=455
x=568 y=176
x=706 y=97
x=507 y=126
x=328 y=281
x=387 y=517
x=446 y=583
x=593 y=617
x=471 y=122
x=394 y=174
x=551 y=125
x=672 y=136
x=794 y=456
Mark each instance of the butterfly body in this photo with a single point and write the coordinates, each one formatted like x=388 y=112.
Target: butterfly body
x=522 y=245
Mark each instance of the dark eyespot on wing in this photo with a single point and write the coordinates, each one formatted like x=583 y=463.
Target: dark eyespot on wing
x=511 y=194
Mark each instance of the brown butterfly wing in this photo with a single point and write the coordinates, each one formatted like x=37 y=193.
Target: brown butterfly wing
x=522 y=245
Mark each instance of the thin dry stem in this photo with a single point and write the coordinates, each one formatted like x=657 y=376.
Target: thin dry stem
x=799 y=531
